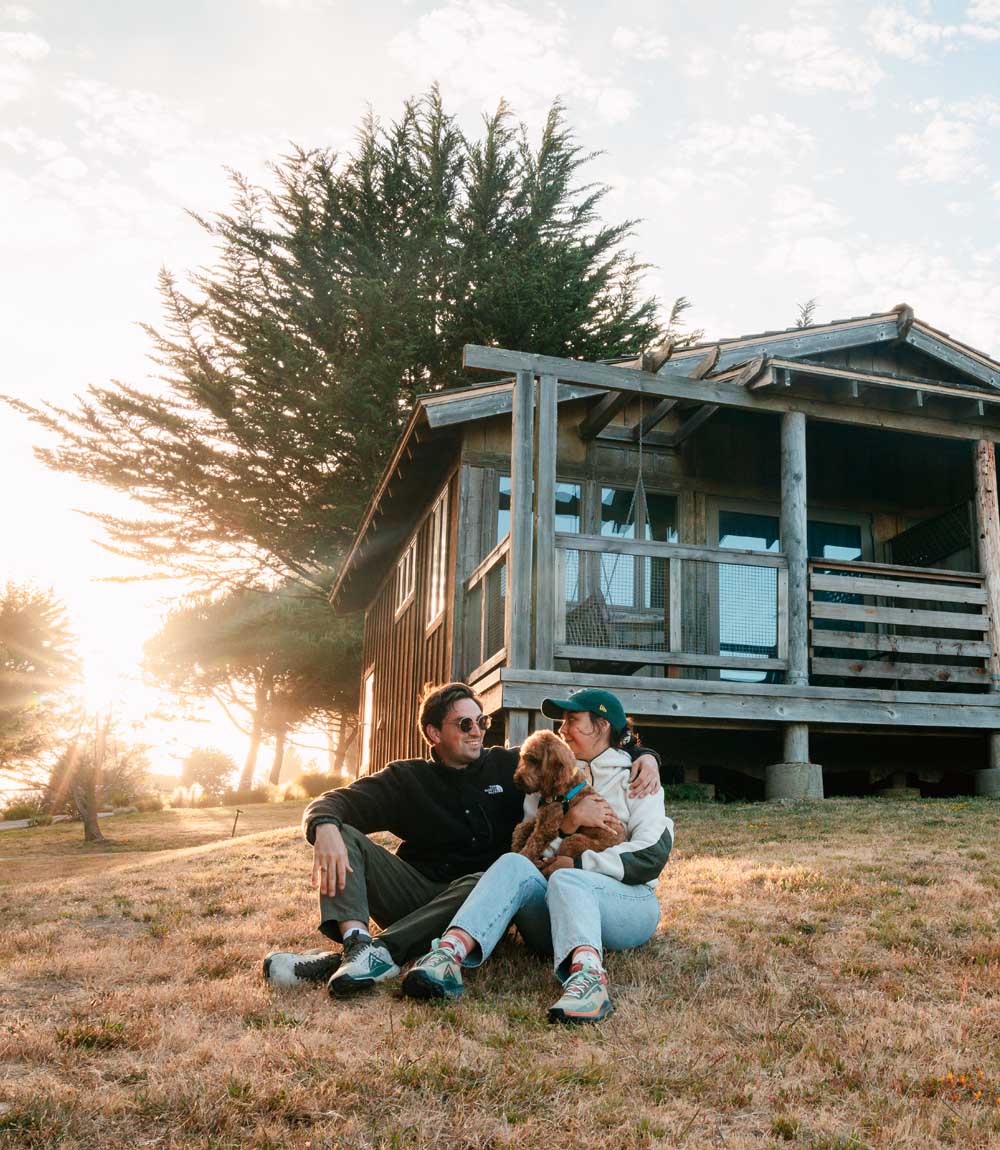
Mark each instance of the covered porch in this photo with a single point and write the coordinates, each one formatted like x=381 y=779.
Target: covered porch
x=811 y=635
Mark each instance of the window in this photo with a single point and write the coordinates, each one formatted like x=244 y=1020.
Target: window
x=628 y=580
x=437 y=580
x=367 y=721
x=748 y=595
x=568 y=500
x=406 y=578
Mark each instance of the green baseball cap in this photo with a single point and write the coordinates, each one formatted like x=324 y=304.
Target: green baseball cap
x=600 y=703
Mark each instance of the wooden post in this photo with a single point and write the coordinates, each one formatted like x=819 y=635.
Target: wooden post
x=545 y=522
x=987 y=782
x=519 y=564
x=795 y=777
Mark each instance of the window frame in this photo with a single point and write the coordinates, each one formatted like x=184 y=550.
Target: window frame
x=406 y=577
x=367 y=721
x=437 y=567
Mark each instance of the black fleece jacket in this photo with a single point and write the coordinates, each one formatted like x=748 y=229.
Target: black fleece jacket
x=453 y=822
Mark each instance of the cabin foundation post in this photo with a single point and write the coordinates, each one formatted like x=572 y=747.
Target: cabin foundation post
x=987 y=782
x=517 y=623
x=795 y=777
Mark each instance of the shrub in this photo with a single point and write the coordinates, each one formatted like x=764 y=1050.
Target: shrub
x=40 y=821
x=147 y=803
x=245 y=797
x=314 y=784
x=687 y=793
x=24 y=809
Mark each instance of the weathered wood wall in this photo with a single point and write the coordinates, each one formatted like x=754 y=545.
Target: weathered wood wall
x=403 y=652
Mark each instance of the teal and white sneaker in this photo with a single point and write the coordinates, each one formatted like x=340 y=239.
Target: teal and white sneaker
x=287 y=968
x=364 y=963
x=584 y=998
x=437 y=975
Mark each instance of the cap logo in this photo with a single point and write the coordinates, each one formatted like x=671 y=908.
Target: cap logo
x=603 y=708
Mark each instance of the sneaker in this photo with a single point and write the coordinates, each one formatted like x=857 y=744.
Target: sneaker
x=584 y=998
x=437 y=975
x=284 y=968
x=364 y=963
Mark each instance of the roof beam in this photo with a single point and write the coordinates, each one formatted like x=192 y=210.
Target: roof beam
x=598 y=418
x=671 y=384
x=693 y=422
x=655 y=417
x=953 y=355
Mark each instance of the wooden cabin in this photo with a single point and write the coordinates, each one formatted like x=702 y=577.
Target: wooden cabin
x=780 y=550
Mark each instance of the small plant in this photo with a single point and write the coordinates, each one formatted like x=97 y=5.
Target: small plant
x=687 y=793
x=102 y=1034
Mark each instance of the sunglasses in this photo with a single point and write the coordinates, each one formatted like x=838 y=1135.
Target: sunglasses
x=465 y=725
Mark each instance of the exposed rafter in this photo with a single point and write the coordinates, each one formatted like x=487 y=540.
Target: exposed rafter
x=598 y=418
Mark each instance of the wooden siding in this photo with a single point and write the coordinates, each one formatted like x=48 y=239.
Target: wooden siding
x=404 y=654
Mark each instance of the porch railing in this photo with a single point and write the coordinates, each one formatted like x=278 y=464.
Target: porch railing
x=918 y=625
x=485 y=630
x=631 y=603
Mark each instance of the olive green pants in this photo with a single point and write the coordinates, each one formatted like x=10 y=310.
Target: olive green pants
x=411 y=909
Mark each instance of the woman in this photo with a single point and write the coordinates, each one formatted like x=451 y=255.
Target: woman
x=576 y=909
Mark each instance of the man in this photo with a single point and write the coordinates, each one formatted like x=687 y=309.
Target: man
x=455 y=813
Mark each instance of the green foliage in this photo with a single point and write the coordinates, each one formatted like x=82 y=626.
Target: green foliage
x=275 y=657
x=209 y=768
x=38 y=665
x=313 y=784
x=23 y=809
x=339 y=293
x=687 y=793
x=807 y=313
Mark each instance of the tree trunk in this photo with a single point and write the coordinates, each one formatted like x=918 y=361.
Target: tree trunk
x=85 y=801
x=279 y=755
x=256 y=737
x=344 y=741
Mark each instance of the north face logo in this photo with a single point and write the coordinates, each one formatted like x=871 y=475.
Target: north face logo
x=493 y=789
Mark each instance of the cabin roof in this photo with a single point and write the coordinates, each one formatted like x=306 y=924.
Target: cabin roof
x=760 y=362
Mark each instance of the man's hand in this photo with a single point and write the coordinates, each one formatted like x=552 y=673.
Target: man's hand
x=645 y=777
x=547 y=866
x=330 y=865
x=589 y=811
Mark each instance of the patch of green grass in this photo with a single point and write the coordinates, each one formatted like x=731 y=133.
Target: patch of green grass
x=99 y=1034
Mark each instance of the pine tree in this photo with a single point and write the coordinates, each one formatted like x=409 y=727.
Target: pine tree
x=339 y=293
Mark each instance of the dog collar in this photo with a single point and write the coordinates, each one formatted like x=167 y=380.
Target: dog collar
x=564 y=799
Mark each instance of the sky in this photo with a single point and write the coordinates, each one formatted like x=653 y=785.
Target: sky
x=769 y=152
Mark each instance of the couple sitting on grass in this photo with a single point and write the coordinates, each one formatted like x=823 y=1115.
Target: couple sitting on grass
x=453 y=884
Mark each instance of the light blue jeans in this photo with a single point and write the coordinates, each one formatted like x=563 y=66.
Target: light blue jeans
x=573 y=908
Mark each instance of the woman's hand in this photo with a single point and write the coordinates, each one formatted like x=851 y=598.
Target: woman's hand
x=330 y=865
x=645 y=777
x=547 y=866
x=588 y=811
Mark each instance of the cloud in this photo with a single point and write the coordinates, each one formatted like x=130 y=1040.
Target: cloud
x=729 y=143
x=796 y=208
x=482 y=51
x=944 y=152
x=121 y=121
x=17 y=14
x=640 y=43
x=894 y=30
x=19 y=53
x=806 y=57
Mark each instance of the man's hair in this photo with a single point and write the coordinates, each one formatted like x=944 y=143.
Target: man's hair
x=436 y=700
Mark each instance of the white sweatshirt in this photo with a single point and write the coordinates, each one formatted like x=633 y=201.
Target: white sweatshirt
x=649 y=833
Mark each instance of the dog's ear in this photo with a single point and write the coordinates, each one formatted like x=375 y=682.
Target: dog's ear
x=560 y=764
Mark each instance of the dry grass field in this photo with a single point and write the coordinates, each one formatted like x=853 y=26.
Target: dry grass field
x=825 y=976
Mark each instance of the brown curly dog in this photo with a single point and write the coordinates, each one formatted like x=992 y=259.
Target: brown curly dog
x=547 y=767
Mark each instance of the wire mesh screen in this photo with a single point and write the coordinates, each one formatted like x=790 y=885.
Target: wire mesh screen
x=933 y=540
x=495 y=589
x=625 y=605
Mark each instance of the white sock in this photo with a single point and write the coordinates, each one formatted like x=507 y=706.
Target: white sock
x=456 y=945
x=588 y=959
x=357 y=930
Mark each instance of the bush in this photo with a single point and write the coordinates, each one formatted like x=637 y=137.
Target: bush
x=24 y=809
x=688 y=793
x=245 y=797
x=147 y=803
x=40 y=821
x=313 y=784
